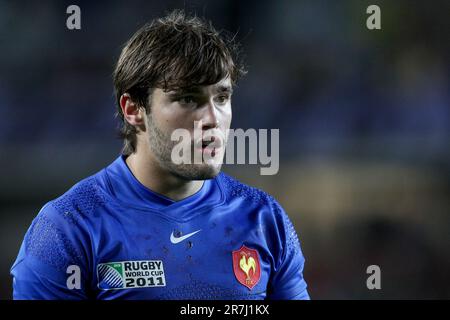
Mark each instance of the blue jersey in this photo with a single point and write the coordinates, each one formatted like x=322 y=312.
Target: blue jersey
x=110 y=237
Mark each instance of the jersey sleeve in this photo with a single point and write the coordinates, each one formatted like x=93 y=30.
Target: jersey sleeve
x=288 y=282
x=41 y=271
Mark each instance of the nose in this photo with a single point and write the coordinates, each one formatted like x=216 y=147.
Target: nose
x=209 y=117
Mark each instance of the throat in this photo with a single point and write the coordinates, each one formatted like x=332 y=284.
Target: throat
x=161 y=181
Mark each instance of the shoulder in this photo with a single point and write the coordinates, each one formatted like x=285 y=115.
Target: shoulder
x=59 y=231
x=274 y=212
x=83 y=198
x=235 y=189
x=253 y=198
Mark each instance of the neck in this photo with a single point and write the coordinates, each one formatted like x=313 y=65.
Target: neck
x=148 y=172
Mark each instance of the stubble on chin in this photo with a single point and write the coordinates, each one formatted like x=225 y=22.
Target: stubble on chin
x=161 y=146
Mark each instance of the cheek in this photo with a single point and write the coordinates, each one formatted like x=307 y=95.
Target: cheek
x=226 y=118
x=173 y=118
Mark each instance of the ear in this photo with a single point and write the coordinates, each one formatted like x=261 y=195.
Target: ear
x=132 y=113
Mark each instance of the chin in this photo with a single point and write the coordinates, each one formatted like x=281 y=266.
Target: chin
x=197 y=172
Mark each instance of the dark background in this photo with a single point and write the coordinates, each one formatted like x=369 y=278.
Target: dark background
x=364 y=123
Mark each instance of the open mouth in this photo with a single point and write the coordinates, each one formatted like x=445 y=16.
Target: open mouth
x=210 y=145
x=212 y=141
x=205 y=144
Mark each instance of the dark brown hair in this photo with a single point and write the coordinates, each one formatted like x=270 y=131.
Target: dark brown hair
x=173 y=52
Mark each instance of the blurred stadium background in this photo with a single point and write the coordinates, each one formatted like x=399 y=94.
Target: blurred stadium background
x=364 y=119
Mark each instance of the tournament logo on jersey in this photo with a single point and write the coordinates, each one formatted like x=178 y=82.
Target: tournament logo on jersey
x=246 y=266
x=130 y=274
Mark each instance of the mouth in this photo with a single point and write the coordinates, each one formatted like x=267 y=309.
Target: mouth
x=210 y=145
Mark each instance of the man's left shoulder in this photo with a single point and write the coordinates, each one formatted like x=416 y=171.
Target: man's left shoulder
x=233 y=188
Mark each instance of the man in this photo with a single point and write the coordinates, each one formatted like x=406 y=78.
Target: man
x=149 y=227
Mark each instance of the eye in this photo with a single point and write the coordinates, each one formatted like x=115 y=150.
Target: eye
x=222 y=99
x=186 y=100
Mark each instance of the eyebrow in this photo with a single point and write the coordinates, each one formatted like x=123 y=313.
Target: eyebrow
x=225 y=89
x=198 y=90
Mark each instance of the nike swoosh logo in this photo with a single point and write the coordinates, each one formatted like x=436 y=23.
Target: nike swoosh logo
x=176 y=240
